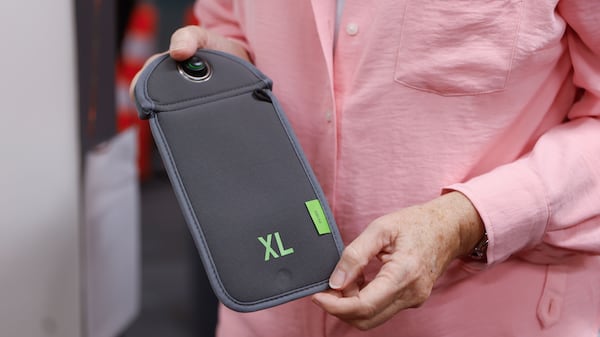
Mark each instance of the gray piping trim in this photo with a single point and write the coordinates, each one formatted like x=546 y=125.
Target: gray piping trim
x=308 y=170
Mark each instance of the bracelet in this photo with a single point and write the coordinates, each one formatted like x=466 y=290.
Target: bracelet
x=479 y=253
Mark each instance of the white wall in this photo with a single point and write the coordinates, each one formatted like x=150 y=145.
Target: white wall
x=39 y=171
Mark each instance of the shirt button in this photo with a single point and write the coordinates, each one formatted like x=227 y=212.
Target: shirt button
x=352 y=29
x=328 y=115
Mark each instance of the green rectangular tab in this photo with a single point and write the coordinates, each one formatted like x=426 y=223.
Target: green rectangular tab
x=318 y=216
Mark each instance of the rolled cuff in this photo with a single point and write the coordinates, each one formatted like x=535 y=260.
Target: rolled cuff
x=512 y=203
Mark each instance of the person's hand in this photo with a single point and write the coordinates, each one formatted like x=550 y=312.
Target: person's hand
x=415 y=245
x=185 y=41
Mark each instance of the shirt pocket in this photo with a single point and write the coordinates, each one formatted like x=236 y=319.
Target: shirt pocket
x=457 y=47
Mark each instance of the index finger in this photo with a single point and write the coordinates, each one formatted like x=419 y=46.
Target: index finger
x=375 y=297
x=357 y=255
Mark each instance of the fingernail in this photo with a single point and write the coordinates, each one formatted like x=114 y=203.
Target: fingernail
x=337 y=279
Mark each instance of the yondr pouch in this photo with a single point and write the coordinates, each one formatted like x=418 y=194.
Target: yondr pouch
x=257 y=214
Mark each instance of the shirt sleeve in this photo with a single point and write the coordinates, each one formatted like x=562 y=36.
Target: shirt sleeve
x=546 y=205
x=222 y=17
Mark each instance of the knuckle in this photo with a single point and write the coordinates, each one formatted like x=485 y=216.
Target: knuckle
x=362 y=312
x=352 y=255
x=366 y=311
x=362 y=325
x=424 y=293
x=413 y=267
x=420 y=295
x=416 y=305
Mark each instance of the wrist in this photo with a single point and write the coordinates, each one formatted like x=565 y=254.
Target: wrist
x=470 y=230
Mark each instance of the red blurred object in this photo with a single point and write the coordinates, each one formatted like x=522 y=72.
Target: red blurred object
x=139 y=43
x=189 y=18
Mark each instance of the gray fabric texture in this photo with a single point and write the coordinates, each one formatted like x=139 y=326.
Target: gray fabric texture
x=240 y=177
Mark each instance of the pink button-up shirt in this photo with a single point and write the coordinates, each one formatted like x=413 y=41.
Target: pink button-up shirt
x=496 y=99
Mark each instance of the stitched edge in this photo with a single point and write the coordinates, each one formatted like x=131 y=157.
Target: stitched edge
x=215 y=97
x=190 y=216
x=263 y=81
x=307 y=170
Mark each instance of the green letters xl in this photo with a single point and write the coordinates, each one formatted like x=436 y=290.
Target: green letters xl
x=269 y=251
x=282 y=251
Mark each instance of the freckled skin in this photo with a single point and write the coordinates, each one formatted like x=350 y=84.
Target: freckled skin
x=415 y=245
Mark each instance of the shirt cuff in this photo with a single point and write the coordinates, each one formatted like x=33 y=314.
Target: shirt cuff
x=512 y=204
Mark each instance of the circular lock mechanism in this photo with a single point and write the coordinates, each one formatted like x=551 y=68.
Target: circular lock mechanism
x=195 y=69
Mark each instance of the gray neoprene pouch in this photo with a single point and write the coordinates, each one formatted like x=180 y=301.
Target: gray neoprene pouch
x=257 y=214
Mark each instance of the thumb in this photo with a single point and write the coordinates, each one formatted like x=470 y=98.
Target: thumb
x=185 y=41
x=356 y=256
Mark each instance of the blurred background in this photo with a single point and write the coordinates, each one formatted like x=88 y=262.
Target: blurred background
x=92 y=241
